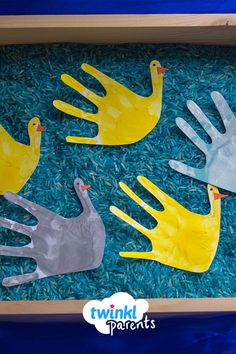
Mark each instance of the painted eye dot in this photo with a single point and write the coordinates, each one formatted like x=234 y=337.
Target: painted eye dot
x=211 y=189
x=153 y=64
x=34 y=123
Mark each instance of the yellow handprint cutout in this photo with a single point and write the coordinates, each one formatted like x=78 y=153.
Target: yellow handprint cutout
x=123 y=117
x=18 y=161
x=181 y=239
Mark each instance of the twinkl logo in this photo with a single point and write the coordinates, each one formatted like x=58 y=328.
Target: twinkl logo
x=119 y=312
x=114 y=314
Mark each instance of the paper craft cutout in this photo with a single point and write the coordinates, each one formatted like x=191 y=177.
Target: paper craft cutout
x=181 y=239
x=18 y=161
x=220 y=168
x=58 y=245
x=123 y=117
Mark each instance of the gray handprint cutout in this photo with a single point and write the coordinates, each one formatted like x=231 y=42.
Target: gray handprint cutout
x=58 y=245
x=220 y=167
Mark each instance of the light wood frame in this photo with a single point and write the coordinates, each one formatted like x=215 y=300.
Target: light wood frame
x=158 y=306
x=201 y=29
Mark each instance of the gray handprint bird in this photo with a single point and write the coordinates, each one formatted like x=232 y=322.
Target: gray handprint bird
x=220 y=167
x=58 y=245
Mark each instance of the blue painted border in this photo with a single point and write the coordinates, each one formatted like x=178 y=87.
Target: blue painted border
x=46 y=7
x=178 y=335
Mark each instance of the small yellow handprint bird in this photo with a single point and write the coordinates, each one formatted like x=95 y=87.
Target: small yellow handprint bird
x=123 y=117
x=181 y=239
x=18 y=161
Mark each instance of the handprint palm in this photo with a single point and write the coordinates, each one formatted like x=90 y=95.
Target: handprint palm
x=123 y=117
x=181 y=239
x=220 y=167
x=58 y=245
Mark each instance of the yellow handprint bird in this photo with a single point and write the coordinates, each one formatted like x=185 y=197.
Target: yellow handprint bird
x=181 y=239
x=18 y=161
x=123 y=117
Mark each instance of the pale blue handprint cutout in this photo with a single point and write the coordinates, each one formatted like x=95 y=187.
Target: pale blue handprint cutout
x=220 y=167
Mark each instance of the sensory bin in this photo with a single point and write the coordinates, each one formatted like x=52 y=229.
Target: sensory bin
x=30 y=81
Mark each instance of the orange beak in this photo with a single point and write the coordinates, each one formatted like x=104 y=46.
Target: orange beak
x=40 y=128
x=85 y=187
x=161 y=70
x=220 y=196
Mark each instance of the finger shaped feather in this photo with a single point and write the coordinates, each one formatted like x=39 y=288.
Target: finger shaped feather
x=24 y=251
x=123 y=216
x=223 y=108
x=74 y=111
x=105 y=80
x=15 y=226
x=191 y=134
x=20 y=279
x=186 y=169
x=154 y=213
x=203 y=120
x=33 y=208
x=77 y=86
x=142 y=255
x=164 y=199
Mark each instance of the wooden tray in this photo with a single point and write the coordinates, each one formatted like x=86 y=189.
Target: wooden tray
x=200 y=29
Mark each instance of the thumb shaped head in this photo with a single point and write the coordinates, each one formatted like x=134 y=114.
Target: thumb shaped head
x=80 y=187
x=34 y=130
x=82 y=191
x=156 y=71
x=156 y=68
x=215 y=197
